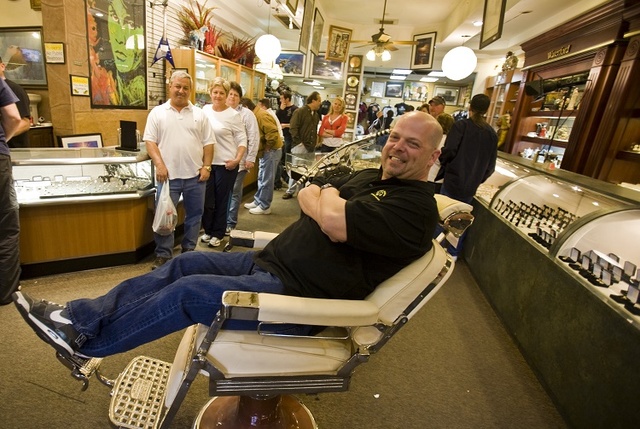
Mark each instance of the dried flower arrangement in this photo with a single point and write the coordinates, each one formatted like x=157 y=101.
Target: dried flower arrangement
x=235 y=48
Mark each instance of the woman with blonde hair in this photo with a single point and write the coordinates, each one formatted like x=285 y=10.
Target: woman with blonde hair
x=231 y=145
x=333 y=126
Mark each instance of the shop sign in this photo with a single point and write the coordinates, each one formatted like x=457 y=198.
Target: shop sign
x=559 y=52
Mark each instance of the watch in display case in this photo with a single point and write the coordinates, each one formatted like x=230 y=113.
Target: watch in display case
x=46 y=175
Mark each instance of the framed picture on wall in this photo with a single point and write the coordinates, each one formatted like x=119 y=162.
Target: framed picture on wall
x=318 y=26
x=449 y=93
x=326 y=69
x=377 y=89
x=423 y=51
x=79 y=85
x=292 y=5
x=394 y=89
x=81 y=140
x=22 y=52
x=492 y=21
x=116 y=39
x=291 y=63
x=338 y=45
x=305 y=30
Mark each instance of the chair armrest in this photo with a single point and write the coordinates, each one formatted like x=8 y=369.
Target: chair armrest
x=447 y=206
x=268 y=307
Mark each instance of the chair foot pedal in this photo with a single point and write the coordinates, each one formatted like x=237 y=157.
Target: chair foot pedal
x=81 y=368
x=138 y=394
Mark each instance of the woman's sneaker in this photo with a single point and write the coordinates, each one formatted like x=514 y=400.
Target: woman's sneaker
x=46 y=320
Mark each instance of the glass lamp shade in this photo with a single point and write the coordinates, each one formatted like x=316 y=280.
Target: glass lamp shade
x=459 y=63
x=386 y=55
x=371 y=55
x=268 y=48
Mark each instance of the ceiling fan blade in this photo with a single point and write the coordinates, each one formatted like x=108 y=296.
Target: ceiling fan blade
x=404 y=42
x=390 y=47
x=360 y=41
x=363 y=46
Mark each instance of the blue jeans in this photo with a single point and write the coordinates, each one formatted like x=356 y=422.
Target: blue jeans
x=186 y=290
x=9 y=233
x=192 y=192
x=235 y=199
x=266 y=176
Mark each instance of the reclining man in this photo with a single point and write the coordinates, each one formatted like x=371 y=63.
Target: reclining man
x=354 y=232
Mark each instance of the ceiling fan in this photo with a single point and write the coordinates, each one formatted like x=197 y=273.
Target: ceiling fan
x=381 y=42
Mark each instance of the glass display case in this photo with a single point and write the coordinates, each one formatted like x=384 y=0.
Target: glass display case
x=591 y=228
x=47 y=175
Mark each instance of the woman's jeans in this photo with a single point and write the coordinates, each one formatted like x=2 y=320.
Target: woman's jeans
x=185 y=291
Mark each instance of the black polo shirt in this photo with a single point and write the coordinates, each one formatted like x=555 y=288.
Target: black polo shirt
x=390 y=223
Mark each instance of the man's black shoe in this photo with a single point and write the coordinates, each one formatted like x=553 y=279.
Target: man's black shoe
x=45 y=319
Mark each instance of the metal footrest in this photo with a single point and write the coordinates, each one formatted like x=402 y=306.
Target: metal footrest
x=138 y=394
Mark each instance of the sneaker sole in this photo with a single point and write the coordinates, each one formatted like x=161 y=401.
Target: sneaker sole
x=41 y=330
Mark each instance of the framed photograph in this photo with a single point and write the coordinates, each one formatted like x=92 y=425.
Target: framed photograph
x=116 y=44
x=305 y=29
x=291 y=63
x=54 y=53
x=22 y=52
x=292 y=5
x=394 y=89
x=418 y=91
x=423 y=51
x=449 y=93
x=350 y=101
x=81 y=140
x=377 y=89
x=323 y=68
x=318 y=26
x=492 y=21
x=338 y=45
x=351 y=119
x=79 y=85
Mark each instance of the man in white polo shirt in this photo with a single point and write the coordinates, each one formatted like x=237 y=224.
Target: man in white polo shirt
x=180 y=142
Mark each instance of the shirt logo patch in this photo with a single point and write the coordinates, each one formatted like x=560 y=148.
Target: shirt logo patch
x=379 y=194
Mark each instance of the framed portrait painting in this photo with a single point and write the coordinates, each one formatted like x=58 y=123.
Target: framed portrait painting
x=338 y=44
x=318 y=26
x=423 y=50
x=116 y=43
x=492 y=21
x=22 y=52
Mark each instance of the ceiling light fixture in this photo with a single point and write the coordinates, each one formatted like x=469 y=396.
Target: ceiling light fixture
x=459 y=62
x=401 y=71
x=429 y=79
x=378 y=51
x=268 y=47
x=397 y=77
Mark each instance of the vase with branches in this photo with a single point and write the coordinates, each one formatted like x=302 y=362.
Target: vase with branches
x=194 y=16
x=235 y=48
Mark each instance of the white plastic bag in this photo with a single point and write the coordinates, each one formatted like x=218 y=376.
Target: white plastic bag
x=166 y=217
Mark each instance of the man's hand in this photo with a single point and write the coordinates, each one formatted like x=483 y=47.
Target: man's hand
x=162 y=174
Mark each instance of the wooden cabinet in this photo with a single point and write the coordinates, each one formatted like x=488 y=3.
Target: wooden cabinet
x=592 y=59
x=41 y=137
x=204 y=67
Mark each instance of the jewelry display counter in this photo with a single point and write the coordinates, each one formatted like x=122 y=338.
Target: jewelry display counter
x=82 y=208
x=555 y=254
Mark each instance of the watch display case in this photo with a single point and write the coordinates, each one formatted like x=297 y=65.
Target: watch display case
x=45 y=175
x=590 y=228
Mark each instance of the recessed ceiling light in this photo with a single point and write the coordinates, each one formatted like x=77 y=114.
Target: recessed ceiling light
x=429 y=79
x=397 y=77
x=401 y=71
x=436 y=74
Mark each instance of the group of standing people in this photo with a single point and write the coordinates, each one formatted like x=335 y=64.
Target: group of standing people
x=204 y=155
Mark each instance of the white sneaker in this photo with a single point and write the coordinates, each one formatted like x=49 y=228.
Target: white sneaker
x=250 y=205
x=260 y=211
x=214 y=242
x=205 y=238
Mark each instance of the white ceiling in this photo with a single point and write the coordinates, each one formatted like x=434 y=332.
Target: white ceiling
x=451 y=19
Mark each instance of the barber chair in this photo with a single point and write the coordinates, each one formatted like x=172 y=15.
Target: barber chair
x=253 y=375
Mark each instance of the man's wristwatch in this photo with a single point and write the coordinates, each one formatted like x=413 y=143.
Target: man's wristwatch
x=207 y=167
